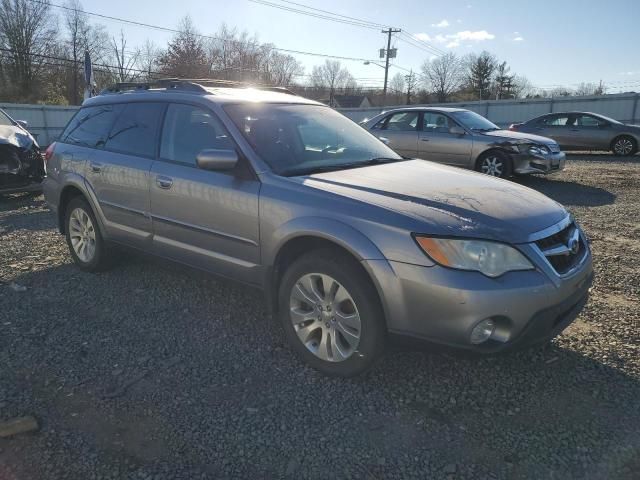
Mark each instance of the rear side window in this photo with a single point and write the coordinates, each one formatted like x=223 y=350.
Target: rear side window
x=188 y=130
x=136 y=129
x=555 y=121
x=91 y=125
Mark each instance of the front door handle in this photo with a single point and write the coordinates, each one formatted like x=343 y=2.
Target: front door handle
x=164 y=182
x=424 y=139
x=96 y=167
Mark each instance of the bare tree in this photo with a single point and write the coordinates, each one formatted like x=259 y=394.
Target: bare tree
x=331 y=76
x=81 y=36
x=281 y=69
x=397 y=88
x=185 y=55
x=522 y=87
x=27 y=33
x=503 y=82
x=412 y=86
x=585 y=89
x=235 y=55
x=148 y=59
x=124 y=62
x=444 y=75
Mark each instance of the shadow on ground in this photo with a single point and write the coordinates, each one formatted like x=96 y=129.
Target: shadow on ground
x=569 y=193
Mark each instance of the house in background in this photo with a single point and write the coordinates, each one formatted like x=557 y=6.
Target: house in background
x=349 y=101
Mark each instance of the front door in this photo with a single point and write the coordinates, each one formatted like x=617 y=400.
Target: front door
x=590 y=132
x=400 y=131
x=207 y=219
x=438 y=145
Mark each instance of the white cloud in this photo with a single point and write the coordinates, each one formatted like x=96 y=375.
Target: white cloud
x=442 y=24
x=422 y=36
x=518 y=39
x=453 y=40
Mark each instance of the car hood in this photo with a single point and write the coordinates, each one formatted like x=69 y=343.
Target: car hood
x=440 y=200
x=16 y=136
x=518 y=136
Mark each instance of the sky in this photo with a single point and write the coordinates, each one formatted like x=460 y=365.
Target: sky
x=551 y=42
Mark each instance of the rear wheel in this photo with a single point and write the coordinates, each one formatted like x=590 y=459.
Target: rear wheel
x=330 y=314
x=87 y=247
x=624 y=146
x=495 y=164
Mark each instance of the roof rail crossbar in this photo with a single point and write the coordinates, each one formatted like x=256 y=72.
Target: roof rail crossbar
x=189 y=84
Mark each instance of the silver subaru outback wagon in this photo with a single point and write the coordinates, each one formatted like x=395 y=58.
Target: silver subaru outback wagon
x=350 y=242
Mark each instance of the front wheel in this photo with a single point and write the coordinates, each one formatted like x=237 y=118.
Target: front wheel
x=331 y=315
x=495 y=164
x=624 y=146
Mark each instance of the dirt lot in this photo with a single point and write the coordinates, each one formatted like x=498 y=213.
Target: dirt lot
x=153 y=371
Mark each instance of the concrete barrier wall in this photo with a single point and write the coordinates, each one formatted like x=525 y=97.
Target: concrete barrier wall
x=48 y=121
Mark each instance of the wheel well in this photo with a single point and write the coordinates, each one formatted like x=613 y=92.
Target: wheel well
x=68 y=194
x=294 y=249
x=624 y=135
x=490 y=151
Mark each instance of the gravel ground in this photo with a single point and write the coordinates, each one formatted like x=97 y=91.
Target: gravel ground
x=154 y=371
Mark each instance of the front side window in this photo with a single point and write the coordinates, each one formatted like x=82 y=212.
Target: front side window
x=136 y=129
x=91 y=125
x=302 y=139
x=436 y=122
x=402 y=121
x=188 y=130
x=588 y=121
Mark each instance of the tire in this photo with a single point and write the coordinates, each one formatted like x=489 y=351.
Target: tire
x=624 y=146
x=330 y=328
x=81 y=228
x=495 y=164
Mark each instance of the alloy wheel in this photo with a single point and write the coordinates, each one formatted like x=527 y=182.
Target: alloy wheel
x=623 y=146
x=493 y=166
x=82 y=234
x=325 y=317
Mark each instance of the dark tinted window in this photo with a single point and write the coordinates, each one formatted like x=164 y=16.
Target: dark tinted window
x=188 y=130
x=135 y=131
x=91 y=125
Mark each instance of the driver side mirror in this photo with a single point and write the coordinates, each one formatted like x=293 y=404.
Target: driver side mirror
x=23 y=123
x=456 y=130
x=216 y=159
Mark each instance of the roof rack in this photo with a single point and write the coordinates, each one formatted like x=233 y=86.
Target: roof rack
x=188 y=85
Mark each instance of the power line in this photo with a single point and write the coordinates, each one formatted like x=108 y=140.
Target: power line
x=211 y=37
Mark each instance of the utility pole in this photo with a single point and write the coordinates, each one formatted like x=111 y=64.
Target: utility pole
x=387 y=52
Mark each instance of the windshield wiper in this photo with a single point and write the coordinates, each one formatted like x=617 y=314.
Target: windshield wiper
x=490 y=129
x=340 y=166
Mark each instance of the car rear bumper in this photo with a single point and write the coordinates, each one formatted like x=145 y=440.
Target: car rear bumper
x=526 y=164
x=442 y=305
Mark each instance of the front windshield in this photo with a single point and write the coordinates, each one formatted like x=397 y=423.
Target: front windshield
x=473 y=121
x=5 y=121
x=302 y=139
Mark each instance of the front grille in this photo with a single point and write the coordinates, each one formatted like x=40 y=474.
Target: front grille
x=557 y=249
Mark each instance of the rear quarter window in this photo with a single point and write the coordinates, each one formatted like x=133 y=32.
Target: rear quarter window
x=91 y=125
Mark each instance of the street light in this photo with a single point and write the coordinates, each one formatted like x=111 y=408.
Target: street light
x=373 y=63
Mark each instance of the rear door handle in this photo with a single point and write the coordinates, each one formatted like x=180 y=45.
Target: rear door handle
x=424 y=139
x=96 y=167
x=164 y=182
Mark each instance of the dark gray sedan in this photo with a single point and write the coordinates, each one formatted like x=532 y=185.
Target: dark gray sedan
x=462 y=138
x=584 y=131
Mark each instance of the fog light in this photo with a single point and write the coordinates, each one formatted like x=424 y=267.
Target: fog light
x=482 y=331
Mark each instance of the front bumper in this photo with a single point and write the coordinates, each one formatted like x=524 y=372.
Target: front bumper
x=442 y=305
x=524 y=163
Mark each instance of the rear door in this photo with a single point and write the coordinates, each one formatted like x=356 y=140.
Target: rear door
x=119 y=173
x=204 y=218
x=589 y=131
x=400 y=129
x=438 y=145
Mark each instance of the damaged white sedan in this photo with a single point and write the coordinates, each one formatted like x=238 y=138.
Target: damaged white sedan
x=21 y=164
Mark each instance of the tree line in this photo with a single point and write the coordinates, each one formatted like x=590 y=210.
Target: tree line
x=42 y=61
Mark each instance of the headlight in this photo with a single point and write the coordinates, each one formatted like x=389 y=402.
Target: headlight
x=533 y=149
x=490 y=258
